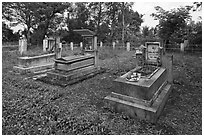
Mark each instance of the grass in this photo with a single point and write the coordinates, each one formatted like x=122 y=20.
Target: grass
x=32 y=107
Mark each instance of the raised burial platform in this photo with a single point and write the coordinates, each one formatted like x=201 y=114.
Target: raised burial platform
x=35 y=64
x=144 y=98
x=72 y=69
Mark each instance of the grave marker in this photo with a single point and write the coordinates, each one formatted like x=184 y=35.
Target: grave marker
x=23 y=45
x=45 y=44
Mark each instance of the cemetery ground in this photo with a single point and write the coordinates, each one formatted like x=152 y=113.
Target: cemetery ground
x=34 y=107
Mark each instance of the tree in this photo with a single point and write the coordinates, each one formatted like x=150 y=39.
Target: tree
x=171 y=22
x=45 y=14
x=20 y=13
x=132 y=20
x=7 y=34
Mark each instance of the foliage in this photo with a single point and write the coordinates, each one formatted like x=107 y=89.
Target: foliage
x=171 y=22
x=46 y=18
x=195 y=32
x=7 y=34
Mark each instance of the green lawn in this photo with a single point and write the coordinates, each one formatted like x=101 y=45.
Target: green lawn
x=33 y=107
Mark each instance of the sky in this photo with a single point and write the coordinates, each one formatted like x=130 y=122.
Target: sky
x=147 y=8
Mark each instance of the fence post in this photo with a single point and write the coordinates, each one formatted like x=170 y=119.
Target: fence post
x=182 y=47
x=81 y=45
x=72 y=46
x=113 y=45
x=101 y=44
x=128 y=46
x=96 y=51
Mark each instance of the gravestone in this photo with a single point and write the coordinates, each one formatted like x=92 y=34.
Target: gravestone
x=22 y=45
x=59 y=51
x=45 y=44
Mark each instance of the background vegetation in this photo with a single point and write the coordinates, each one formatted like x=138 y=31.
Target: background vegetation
x=112 y=21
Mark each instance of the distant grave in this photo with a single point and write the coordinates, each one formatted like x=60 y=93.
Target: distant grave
x=38 y=63
x=71 y=69
x=143 y=91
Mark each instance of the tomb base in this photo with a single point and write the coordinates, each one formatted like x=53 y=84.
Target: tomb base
x=138 y=108
x=64 y=78
x=33 y=69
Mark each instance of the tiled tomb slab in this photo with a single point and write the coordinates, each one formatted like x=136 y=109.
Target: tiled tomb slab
x=34 y=64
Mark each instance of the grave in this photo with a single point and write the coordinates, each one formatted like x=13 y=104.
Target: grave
x=143 y=91
x=38 y=64
x=71 y=69
x=34 y=64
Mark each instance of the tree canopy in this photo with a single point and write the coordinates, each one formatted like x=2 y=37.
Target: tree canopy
x=45 y=18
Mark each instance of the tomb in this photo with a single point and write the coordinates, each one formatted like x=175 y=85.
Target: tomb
x=71 y=69
x=34 y=64
x=40 y=63
x=143 y=91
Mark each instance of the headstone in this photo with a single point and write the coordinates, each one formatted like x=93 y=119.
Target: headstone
x=101 y=44
x=128 y=46
x=113 y=45
x=72 y=46
x=22 y=45
x=153 y=53
x=45 y=44
x=182 y=47
x=59 y=51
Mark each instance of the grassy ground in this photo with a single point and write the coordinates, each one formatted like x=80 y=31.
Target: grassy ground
x=33 y=107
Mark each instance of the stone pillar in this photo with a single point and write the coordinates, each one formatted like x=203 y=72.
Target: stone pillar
x=59 y=51
x=72 y=46
x=167 y=62
x=95 y=51
x=182 y=47
x=128 y=46
x=45 y=45
x=22 y=45
x=101 y=44
x=81 y=45
x=19 y=44
x=113 y=45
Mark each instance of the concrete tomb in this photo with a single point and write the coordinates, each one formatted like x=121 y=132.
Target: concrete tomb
x=35 y=64
x=143 y=91
x=41 y=63
x=71 y=69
